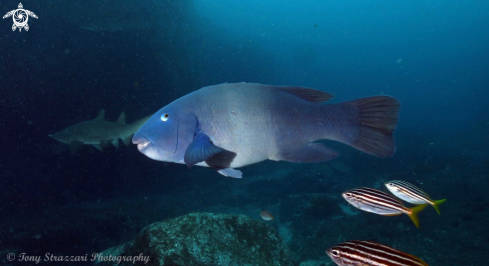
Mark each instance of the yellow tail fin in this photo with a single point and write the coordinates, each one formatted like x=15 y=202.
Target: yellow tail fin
x=437 y=203
x=414 y=213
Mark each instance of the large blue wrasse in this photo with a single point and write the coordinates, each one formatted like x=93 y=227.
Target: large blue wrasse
x=232 y=125
x=369 y=253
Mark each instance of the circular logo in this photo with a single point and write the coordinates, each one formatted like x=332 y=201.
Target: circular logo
x=11 y=257
x=20 y=18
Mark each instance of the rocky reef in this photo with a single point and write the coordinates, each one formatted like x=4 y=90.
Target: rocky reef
x=206 y=239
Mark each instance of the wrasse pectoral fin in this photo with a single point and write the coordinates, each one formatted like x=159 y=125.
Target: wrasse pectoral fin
x=200 y=149
x=437 y=204
x=414 y=213
x=312 y=153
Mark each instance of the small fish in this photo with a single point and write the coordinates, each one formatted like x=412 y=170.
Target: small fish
x=412 y=194
x=368 y=253
x=376 y=201
x=265 y=215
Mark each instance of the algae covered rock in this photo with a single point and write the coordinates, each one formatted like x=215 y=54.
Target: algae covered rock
x=206 y=239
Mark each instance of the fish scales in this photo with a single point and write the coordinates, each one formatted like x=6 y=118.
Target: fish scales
x=258 y=125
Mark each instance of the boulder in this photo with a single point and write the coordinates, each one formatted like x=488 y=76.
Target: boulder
x=203 y=239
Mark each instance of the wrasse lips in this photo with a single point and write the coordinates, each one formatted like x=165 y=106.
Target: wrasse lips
x=141 y=141
x=143 y=145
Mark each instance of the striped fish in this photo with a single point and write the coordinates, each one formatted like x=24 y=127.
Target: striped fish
x=412 y=194
x=368 y=253
x=379 y=202
x=265 y=215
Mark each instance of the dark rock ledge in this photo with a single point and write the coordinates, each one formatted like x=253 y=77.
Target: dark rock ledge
x=206 y=239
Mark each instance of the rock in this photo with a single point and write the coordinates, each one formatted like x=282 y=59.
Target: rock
x=206 y=239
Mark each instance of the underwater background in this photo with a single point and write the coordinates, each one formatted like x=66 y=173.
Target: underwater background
x=79 y=57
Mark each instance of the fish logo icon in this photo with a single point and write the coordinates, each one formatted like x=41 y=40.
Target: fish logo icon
x=20 y=17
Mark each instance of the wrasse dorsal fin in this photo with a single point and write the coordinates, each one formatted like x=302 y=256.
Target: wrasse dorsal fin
x=100 y=116
x=310 y=95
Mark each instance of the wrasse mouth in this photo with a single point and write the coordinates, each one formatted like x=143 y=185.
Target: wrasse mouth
x=143 y=145
x=141 y=141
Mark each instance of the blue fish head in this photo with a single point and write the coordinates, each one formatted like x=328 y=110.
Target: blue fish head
x=166 y=135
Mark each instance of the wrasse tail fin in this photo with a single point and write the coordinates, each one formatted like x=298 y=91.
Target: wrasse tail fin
x=437 y=204
x=377 y=118
x=414 y=213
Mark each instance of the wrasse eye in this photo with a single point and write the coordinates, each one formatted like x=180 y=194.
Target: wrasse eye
x=335 y=253
x=164 y=117
x=348 y=194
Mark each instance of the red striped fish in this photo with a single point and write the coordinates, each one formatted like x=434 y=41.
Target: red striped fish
x=265 y=215
x=368 y=253
x=379 y=202
x=412 y=194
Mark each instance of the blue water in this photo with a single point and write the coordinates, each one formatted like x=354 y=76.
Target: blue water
x=80 y=57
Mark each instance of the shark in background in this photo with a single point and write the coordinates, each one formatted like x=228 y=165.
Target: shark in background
x=98 y=132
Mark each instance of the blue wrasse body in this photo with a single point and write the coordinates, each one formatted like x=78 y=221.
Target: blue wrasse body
x=232 y=125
